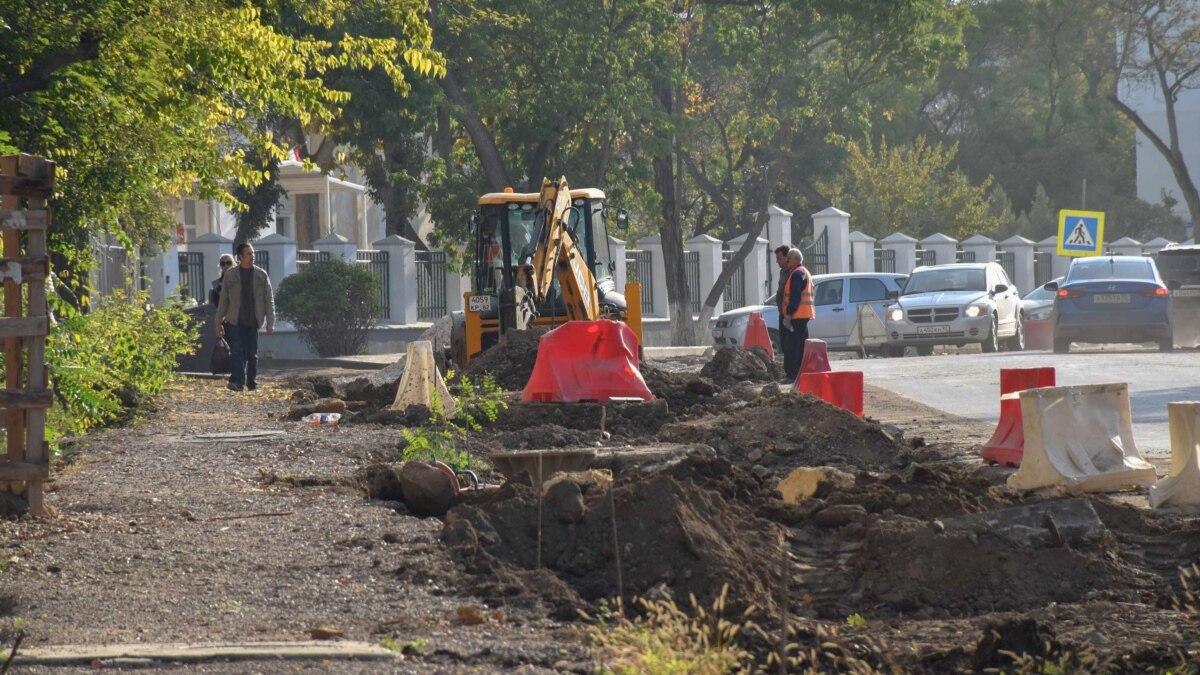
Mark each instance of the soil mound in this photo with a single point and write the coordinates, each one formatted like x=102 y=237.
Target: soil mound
x=681 y=391
x=787 y=431
x=730 y=365
x=922 y=491
x=510 y=361
x=680 y=532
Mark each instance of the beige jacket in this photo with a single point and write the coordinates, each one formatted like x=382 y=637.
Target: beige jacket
x=230 y=304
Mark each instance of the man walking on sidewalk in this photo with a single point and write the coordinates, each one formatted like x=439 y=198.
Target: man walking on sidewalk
x=247 y=303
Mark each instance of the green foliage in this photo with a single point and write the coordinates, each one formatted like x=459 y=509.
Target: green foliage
x=911 y=189
x=333 y=305
x=856 y=620
x=475 y=405
x=104 y=365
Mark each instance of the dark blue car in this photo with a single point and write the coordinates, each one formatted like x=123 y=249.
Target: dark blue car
x=1113 y=298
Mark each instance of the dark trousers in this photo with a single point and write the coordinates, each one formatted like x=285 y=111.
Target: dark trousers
x=243 y=348
x=784 y=334
x=794 y=352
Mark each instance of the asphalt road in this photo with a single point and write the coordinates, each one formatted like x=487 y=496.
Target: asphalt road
x=968 y=384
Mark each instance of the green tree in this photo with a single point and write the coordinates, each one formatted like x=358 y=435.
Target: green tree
x=912 y=189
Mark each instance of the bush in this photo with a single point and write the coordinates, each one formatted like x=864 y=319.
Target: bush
x=105 y=365
x=333 y=305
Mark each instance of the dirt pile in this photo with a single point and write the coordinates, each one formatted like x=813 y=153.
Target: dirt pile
x=730 y=365
x=787 y=431
x=682 y=531
x=510 y=361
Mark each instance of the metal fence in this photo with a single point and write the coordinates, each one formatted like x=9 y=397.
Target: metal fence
x=304 y=258
x=1042 y=267
x=816 y=254
x=263 y=260
x=431 y=285
x=113 y=268
x=191 y=276
x=638 y=268
x=691 y=268
x=377 y=262
x=965 y=256
x=735 y=288
x=1008 y=260
x=885 y=260
x=926 y=258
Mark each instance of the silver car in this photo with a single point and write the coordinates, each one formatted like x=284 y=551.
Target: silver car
x=836 y=296
x=956 y=305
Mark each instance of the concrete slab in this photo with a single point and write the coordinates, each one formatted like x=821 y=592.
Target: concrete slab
x=193 y=653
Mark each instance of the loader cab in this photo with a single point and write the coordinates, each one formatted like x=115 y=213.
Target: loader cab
x=504 y=229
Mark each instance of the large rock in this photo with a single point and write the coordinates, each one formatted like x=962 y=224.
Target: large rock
x=428 y=491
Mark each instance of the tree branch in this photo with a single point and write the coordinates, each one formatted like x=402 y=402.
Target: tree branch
x=38 y=76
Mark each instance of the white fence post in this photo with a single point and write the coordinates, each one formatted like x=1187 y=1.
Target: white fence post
x=709 y=249
x=1125 y=246
x=163 y=273
x=835 y=224
x=754 y=269
x=337 y=246
x=281 y=257
x=1024 y=271
x=456 y=285
x=778 y=230
x=1058 y=263
x=945 y=248
x=658 y=274
x=1155 y=245
x=905 y=249
x=402 y=278
x=862 y=252
x=983 y=247
x=617 y=248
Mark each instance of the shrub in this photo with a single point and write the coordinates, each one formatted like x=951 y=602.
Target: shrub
x=105 y=365
x=333 y=305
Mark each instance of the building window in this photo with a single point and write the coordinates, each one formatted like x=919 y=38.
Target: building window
x=189 y=220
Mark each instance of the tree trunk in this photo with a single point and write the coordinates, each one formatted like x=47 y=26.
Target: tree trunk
x=481 y=137
x=667 y=183
x=1170 y=150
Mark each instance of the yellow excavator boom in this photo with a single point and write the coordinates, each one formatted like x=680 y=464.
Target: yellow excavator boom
x=557 y=255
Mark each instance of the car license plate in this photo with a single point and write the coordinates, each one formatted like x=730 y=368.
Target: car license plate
x=1112 y=299
x=1186 y=293
x=932 y=330
x=480 y=303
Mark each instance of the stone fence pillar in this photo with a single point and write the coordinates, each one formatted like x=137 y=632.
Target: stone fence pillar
x=658 y=276
x=862 y=252
x=281 y=256
x=904 y=248
x=945 y=248
x=754 y=269
x=337 y=246
x=983 y=247
x=709 y=249
x=163 y=273
x=1058 y=263
x=1024 y=273
x=835 y=225
x=402 y=278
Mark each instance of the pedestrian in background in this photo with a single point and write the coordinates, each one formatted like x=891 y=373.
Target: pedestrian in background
x=248 y=303
x=224 y=263
x=799 y=310
x=781 y=260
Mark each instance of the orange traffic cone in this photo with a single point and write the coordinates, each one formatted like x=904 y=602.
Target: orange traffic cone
x=756 y=334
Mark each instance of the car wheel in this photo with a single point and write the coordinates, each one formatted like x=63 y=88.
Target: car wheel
x=1017 y=342
x=1061 y=346
x=992 y=342
x=925 y=350
x=891 y=351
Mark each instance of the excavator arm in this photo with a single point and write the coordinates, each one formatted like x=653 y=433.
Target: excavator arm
x=557 y=255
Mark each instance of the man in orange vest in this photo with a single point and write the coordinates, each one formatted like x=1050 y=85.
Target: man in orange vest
x=798 y=294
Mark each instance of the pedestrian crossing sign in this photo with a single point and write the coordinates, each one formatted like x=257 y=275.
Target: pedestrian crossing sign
x=1080 y=233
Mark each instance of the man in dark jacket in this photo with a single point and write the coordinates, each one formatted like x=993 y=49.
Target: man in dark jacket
x=781 y=260
x=248 y=303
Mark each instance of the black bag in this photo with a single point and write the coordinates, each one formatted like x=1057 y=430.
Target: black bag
x=220 y=363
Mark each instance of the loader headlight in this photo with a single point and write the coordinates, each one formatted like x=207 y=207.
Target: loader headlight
x=975 y=310
x=896 y=314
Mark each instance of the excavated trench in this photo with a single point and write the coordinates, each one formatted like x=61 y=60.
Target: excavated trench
x=900 y=536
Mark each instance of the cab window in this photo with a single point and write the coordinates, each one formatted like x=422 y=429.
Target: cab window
x=828 y=292
x=867 y=290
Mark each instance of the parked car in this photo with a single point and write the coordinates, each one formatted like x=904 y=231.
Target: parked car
x=958 y=304
x=1179 y=267
x=1038 y=306
x=1112 y=298
x=836 y=296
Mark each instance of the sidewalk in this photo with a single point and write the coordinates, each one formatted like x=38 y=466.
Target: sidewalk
x=381 y=361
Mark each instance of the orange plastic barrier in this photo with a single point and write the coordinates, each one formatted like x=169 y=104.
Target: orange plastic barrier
x=843 y=388
x=756 y=334
x=816 y=357
x=1007 y=444
x=587 y=361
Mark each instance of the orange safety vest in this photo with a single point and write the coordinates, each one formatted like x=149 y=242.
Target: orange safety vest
x=806 y=309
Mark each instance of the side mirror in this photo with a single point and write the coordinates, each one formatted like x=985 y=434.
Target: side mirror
x=1000 y=288
x=618 y=215
x=1051 y=286
x=891 y=295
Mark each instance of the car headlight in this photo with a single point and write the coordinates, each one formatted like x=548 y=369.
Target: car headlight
x=975 y=310
x=1040 y=314
x=896 y=314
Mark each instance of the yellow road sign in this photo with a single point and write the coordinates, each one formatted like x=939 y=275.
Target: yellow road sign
x=1080 y=233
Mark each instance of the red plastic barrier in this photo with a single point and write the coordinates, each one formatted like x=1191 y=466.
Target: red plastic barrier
x=756 y=334
x=843 y=388
x=1007 y=444
x=1039 y=334
x=587 y=361
x=816 y=357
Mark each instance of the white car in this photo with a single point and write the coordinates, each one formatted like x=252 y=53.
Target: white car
x=958 y=304
x=836 y=296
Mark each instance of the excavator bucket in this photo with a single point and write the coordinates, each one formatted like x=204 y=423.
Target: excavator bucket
x=757 y=335
x=1181 y=487
x=587 y=361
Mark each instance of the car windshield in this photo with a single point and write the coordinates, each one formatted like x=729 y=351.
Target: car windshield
x=935 y=280
x=1110 y=269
